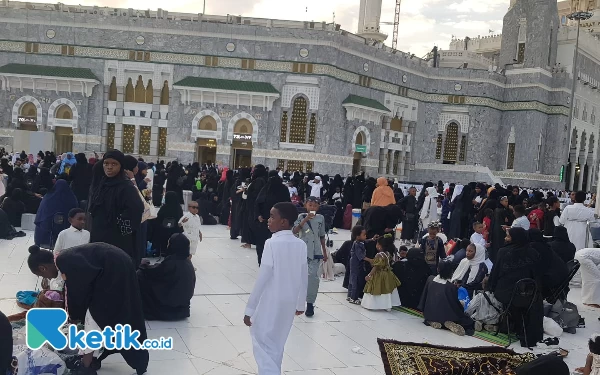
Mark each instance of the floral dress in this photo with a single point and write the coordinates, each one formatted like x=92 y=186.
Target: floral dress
x=381 y=291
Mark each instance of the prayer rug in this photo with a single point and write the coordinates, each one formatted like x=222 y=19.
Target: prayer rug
x=500 y=339
x=403 y=358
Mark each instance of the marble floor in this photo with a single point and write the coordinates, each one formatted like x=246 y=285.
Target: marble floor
x=215 y=341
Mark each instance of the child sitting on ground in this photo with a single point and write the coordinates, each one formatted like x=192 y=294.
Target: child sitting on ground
x=592 y=364
x=358 y=271
x=381 y=291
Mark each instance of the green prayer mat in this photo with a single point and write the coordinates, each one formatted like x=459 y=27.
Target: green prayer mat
x=500 y=339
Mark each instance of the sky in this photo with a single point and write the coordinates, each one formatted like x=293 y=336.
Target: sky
x=423 y=23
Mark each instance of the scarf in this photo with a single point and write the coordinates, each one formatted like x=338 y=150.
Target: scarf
x=457 y=191
x=472 y=264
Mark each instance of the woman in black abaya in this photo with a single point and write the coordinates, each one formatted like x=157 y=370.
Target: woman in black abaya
x=248 y=214
x=100 y=280
x=274 y=192
x=226 y=197
x=173 y=182
x=115 y=205
x=166 y=223
x=158 y=187
x=168 y=287
x=81 y=177
x=516 y=261
x=413 y=274
x=502 y=217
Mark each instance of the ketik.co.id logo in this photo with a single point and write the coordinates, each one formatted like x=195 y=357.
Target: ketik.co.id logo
x=45 y=326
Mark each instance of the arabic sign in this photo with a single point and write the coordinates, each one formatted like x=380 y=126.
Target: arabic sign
x=242 y=137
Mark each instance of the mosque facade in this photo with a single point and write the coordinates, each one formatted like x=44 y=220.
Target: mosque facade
x=309 y=96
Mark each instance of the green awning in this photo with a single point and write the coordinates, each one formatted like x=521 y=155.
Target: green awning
x=227 y=84
x=48 y=71
x=365 y=102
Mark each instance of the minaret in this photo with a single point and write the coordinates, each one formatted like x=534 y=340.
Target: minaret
x=368 y=20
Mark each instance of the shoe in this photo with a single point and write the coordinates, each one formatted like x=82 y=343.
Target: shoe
x=310 y=310
x=455 y=328
x=490 y=328
x=435 y=325
x=478 y=326
x=350 y=300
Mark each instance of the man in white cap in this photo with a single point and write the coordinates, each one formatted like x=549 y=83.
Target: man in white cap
x=316 y=187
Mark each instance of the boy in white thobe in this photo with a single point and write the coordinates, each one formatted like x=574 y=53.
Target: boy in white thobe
x=279 y=292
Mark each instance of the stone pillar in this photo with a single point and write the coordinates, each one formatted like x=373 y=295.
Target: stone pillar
x=588 y=184
x=136 y=140
x=390 y=162
x=571 y=185
x=382 y=161
x=402 y=163
x=119 y=136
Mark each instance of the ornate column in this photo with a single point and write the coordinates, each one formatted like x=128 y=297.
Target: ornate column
x=390 y=162
x=402 y=162
x=136 y=140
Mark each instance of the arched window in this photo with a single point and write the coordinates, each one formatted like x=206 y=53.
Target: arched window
x=207 y=123
x=64 y=112
x=112 y=90
x=396 y=124
x=129 y=93
x=164 y=94
x=140 y=91
x=451 y=144
x=284 y=127
x=298 y=122
x=243 y=126
x=28 y=109
x=149 y=93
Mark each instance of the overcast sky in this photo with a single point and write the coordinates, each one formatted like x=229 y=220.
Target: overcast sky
x=423 y=23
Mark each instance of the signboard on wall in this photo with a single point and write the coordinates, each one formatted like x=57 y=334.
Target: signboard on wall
x=361 y=148
x=27 y=120
x=242 y=137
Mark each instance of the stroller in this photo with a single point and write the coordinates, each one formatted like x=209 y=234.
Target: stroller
x=328 y=213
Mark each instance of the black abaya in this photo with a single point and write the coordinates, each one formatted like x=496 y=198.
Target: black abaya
x=274 y=192
x=6 y=344
x=502 y=216
x=166 y=223
x=101 y=279
x=439 y=304
x=413 y=274
x=411 y=216
x=168 y=287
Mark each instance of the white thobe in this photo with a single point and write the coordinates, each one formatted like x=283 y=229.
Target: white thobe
x=67 y=239
x=575 y=218
x=279 y=291
x=429 y=211
x=315 y=189
x=590 y=275
x=191 y=229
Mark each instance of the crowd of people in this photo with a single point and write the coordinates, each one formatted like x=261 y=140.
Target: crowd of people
x=103 y=217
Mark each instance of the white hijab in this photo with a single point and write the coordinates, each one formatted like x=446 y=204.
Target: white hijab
x=457 y=191
x=467 y=264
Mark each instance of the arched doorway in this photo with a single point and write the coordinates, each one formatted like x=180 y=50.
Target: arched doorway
x=63 y=135
x=242 y=144
x=28 y=117
x=206 y=148
x=359 y=148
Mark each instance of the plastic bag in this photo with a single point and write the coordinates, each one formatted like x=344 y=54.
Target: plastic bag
x=41 y=361
x=463 y=297
x=552 y=328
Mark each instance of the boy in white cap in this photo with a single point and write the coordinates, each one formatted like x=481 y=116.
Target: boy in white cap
x=316 y=187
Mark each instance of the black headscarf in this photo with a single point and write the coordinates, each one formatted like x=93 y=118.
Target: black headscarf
x=107 y=190
x=179 y=246
x=139 y=176
x=171 y=208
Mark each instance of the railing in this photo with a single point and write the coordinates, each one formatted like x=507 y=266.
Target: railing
x=464 y=57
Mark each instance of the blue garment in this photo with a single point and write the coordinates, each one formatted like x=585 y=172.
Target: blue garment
x=463 y=296
x=60 y=199
x=356 y=283
x=67 y=162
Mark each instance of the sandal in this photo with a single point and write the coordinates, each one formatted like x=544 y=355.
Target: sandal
x=455 y=328
x=550 y=341
x=355 y=301
x=560 y=353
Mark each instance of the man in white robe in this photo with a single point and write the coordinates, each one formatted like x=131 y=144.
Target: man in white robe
x=590 y=275
x=279 y=292
x=575 y=218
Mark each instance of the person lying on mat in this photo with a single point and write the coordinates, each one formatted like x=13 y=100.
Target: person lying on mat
x=440 y=305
